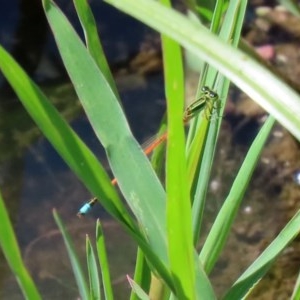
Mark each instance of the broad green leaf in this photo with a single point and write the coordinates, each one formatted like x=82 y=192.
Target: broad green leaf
x=142 y=189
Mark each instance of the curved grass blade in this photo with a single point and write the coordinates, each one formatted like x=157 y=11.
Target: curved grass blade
x=94 y=279
x=104 y=265
x=142 y=274
x=221 y=227
x=262 y=264
x=262 y=86
x=11 y=251
x=78 y=273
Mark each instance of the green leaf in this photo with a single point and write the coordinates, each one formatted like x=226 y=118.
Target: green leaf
x=104 y=265
x=79 y=276
x=138 y=290
x=142 y=189
x=222 y=225
x=296 y=291
x=202 y=149
x=11 y=251
x=142 y=273
x=262 y=264
x=94 y=279
x=93 y=42
x=180 y=240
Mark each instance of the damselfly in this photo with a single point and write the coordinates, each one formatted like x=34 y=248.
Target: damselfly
x=206 y=103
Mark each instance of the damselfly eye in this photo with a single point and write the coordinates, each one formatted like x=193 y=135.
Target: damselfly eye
x=213 y=95
x=205 y=89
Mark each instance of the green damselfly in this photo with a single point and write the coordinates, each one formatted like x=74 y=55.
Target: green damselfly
x=207 y=101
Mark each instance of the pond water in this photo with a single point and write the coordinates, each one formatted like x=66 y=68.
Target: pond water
x=34 y=180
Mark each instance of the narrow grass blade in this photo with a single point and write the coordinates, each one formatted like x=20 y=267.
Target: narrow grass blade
x=142 y=189
x=11 y=251
x=217 y=15
x=93 y=42
x=104 y=265
x=292 y=6
x=75 y=153
x=296 y=291
x=221 y=227
x=262 y=86
x=230 y=32
x=262 y=264
x=94 y=279
x=204 y=289
x=200 y=160
x=137 y=290
x=78 y=273
x=142 y=273
x=180 y=240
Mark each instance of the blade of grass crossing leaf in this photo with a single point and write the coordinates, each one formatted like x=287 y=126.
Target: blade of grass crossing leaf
x=93 y=42
x=221 y=227
x=78 y=273
x=142 y=189
x=94 y=279
x=11 y=251
x=262 y=264
x=180 y=245
x=104 y=265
